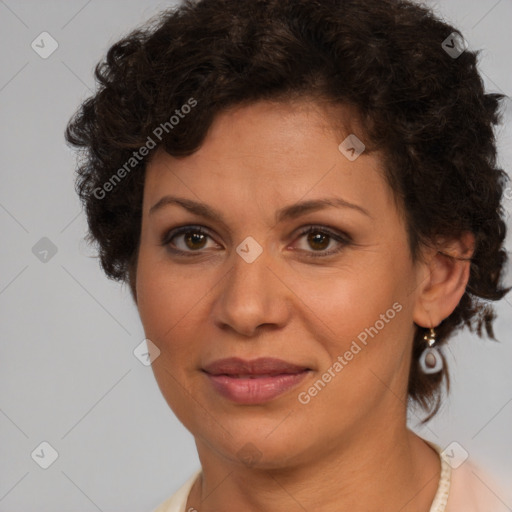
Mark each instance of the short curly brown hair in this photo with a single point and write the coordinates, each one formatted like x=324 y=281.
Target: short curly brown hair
x=424 y=108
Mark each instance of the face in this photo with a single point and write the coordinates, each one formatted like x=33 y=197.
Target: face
x=333 y=305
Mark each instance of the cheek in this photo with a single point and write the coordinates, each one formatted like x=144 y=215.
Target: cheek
x=166 y=308
x=367 y=361
x=351 y=299
x=362 y=317
x=173 y=306
x=162 y=299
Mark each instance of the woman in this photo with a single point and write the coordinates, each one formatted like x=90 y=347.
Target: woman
x=303 y=197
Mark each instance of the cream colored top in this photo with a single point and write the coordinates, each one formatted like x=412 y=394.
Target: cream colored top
x=463 y=489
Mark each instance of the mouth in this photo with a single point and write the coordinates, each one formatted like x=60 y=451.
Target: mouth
x=256 y=381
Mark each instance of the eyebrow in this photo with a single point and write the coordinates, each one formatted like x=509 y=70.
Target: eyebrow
x=287 y=213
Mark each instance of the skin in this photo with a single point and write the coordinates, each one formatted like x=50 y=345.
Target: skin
x=349 y=447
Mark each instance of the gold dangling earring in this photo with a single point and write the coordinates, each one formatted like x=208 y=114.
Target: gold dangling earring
x=431 y=360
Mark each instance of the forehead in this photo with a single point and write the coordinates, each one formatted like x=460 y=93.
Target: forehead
x=272 y=152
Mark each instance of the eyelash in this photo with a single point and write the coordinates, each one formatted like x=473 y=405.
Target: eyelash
x=342 y=239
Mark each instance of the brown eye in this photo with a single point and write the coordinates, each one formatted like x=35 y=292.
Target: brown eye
x=186 y=239
x=318 y=241
x=194 y=240
x=319 y=238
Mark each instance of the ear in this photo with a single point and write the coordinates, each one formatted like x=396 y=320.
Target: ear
x=443 y=274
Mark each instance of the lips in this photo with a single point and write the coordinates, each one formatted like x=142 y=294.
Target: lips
x=255 y=381
x=255 y=368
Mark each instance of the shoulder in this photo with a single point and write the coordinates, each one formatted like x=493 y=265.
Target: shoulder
x=178 y=501
x=472 y=490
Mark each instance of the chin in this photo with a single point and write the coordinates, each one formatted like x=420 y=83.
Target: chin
x=258 y=447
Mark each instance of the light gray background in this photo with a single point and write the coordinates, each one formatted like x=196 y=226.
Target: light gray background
x=68 y=374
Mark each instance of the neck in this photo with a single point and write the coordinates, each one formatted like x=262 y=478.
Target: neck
x=379 y=470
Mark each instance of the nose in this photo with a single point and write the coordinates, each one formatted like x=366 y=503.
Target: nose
x=251 y=297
